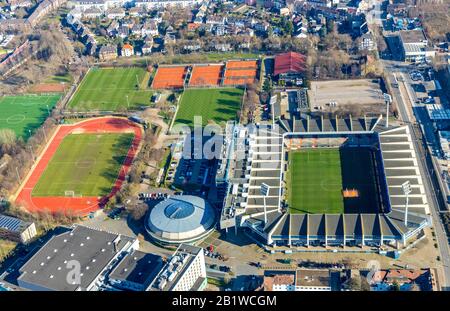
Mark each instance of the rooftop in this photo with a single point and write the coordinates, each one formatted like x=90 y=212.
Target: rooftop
x=412 y=36
x=137 y=267
x=13 y=224
x=312 y=278
x=93 y=249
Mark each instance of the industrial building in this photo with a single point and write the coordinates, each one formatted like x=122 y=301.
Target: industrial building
x=181 y=219
x=185 y=270
x=76 y=260
x=15 y=229
x=136 y=271
x=414 y=46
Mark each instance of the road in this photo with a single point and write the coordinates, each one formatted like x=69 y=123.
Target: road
x=406 y=113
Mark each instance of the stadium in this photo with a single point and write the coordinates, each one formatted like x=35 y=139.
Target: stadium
x=333 y=182
x=180 y=219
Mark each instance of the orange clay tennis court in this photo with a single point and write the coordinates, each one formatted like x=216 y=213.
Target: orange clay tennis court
x=240 y=72
x=169 y=77
x=77 y=205
x=205 y=75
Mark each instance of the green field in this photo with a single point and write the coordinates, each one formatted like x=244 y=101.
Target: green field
x=87 y=164
x=218 y=105
x=112 y=89
x=316 y=178
x=24 y=114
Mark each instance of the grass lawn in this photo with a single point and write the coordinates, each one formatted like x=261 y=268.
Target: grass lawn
x=218 y=105
x=6 y=247
x=107 y=89
x=25 y=113
x=316 y=178
x=87 y=164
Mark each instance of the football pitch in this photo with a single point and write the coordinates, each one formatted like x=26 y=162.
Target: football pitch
x=85 y=164
x=317 y=177
x=217 y=105
x=112 y=89
x=24 y=114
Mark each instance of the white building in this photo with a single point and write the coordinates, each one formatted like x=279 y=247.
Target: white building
x=415 y=46
x=14 y=229
x=155 y=4
x=300 y=280
x=184 y=271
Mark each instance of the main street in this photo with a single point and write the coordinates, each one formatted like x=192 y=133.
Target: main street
x=404 y=105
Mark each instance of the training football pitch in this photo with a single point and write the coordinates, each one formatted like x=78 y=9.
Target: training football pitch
x=217 y=105
x=317 y=177
x=112 y=89
x=87 y=164
x=24 y=114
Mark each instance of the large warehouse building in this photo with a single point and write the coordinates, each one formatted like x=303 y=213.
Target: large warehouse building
x=181 y=219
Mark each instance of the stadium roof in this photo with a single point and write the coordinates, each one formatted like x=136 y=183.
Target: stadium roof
x=181 y=218
x=289 y=62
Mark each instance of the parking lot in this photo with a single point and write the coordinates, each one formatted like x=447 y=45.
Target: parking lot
x=329 y=95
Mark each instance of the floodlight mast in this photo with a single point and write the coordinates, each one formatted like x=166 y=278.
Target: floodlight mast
x=406 y=187
x=265 y=192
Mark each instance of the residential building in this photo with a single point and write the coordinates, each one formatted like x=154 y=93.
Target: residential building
x=107 y=53
x=115 y=13
x=92 y=251
x=184 y=271
x=405 y=279
x=297 y=280
x=367 y=42
x=127 y=50
x=156 y=4
x=15 y=229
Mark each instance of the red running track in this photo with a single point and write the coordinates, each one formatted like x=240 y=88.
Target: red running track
x=83 y=205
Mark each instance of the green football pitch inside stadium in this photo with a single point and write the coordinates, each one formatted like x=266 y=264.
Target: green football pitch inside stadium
x=112 y=89
x=24 y=114
x=87 y=164
x=317 y=177
x=218 y=105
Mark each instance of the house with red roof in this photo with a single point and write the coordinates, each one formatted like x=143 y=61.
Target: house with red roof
x=127 y=50
x=290 y=67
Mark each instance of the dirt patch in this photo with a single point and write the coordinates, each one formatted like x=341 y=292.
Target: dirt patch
x=49 y=88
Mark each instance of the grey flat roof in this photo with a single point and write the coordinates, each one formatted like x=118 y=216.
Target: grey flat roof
x=397 y=172
x=316 y=224
x=299 y=224
x=412 y=36
x=283 y=226
x=352 y=224
x=397 y=163
x=274 y=173
x=273 y=182
x=93 y=249
x=335 y=224
x=138 y=267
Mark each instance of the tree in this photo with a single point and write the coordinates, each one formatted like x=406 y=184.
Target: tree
x=7 y=140
x=354 y=284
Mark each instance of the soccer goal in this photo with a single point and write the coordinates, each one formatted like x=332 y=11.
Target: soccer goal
x=69 y=193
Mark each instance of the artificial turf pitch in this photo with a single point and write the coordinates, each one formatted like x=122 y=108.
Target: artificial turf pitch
x=317 y=177
x=218 y=105
x=24 y=114
x=87 y=164
x=112 y=89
